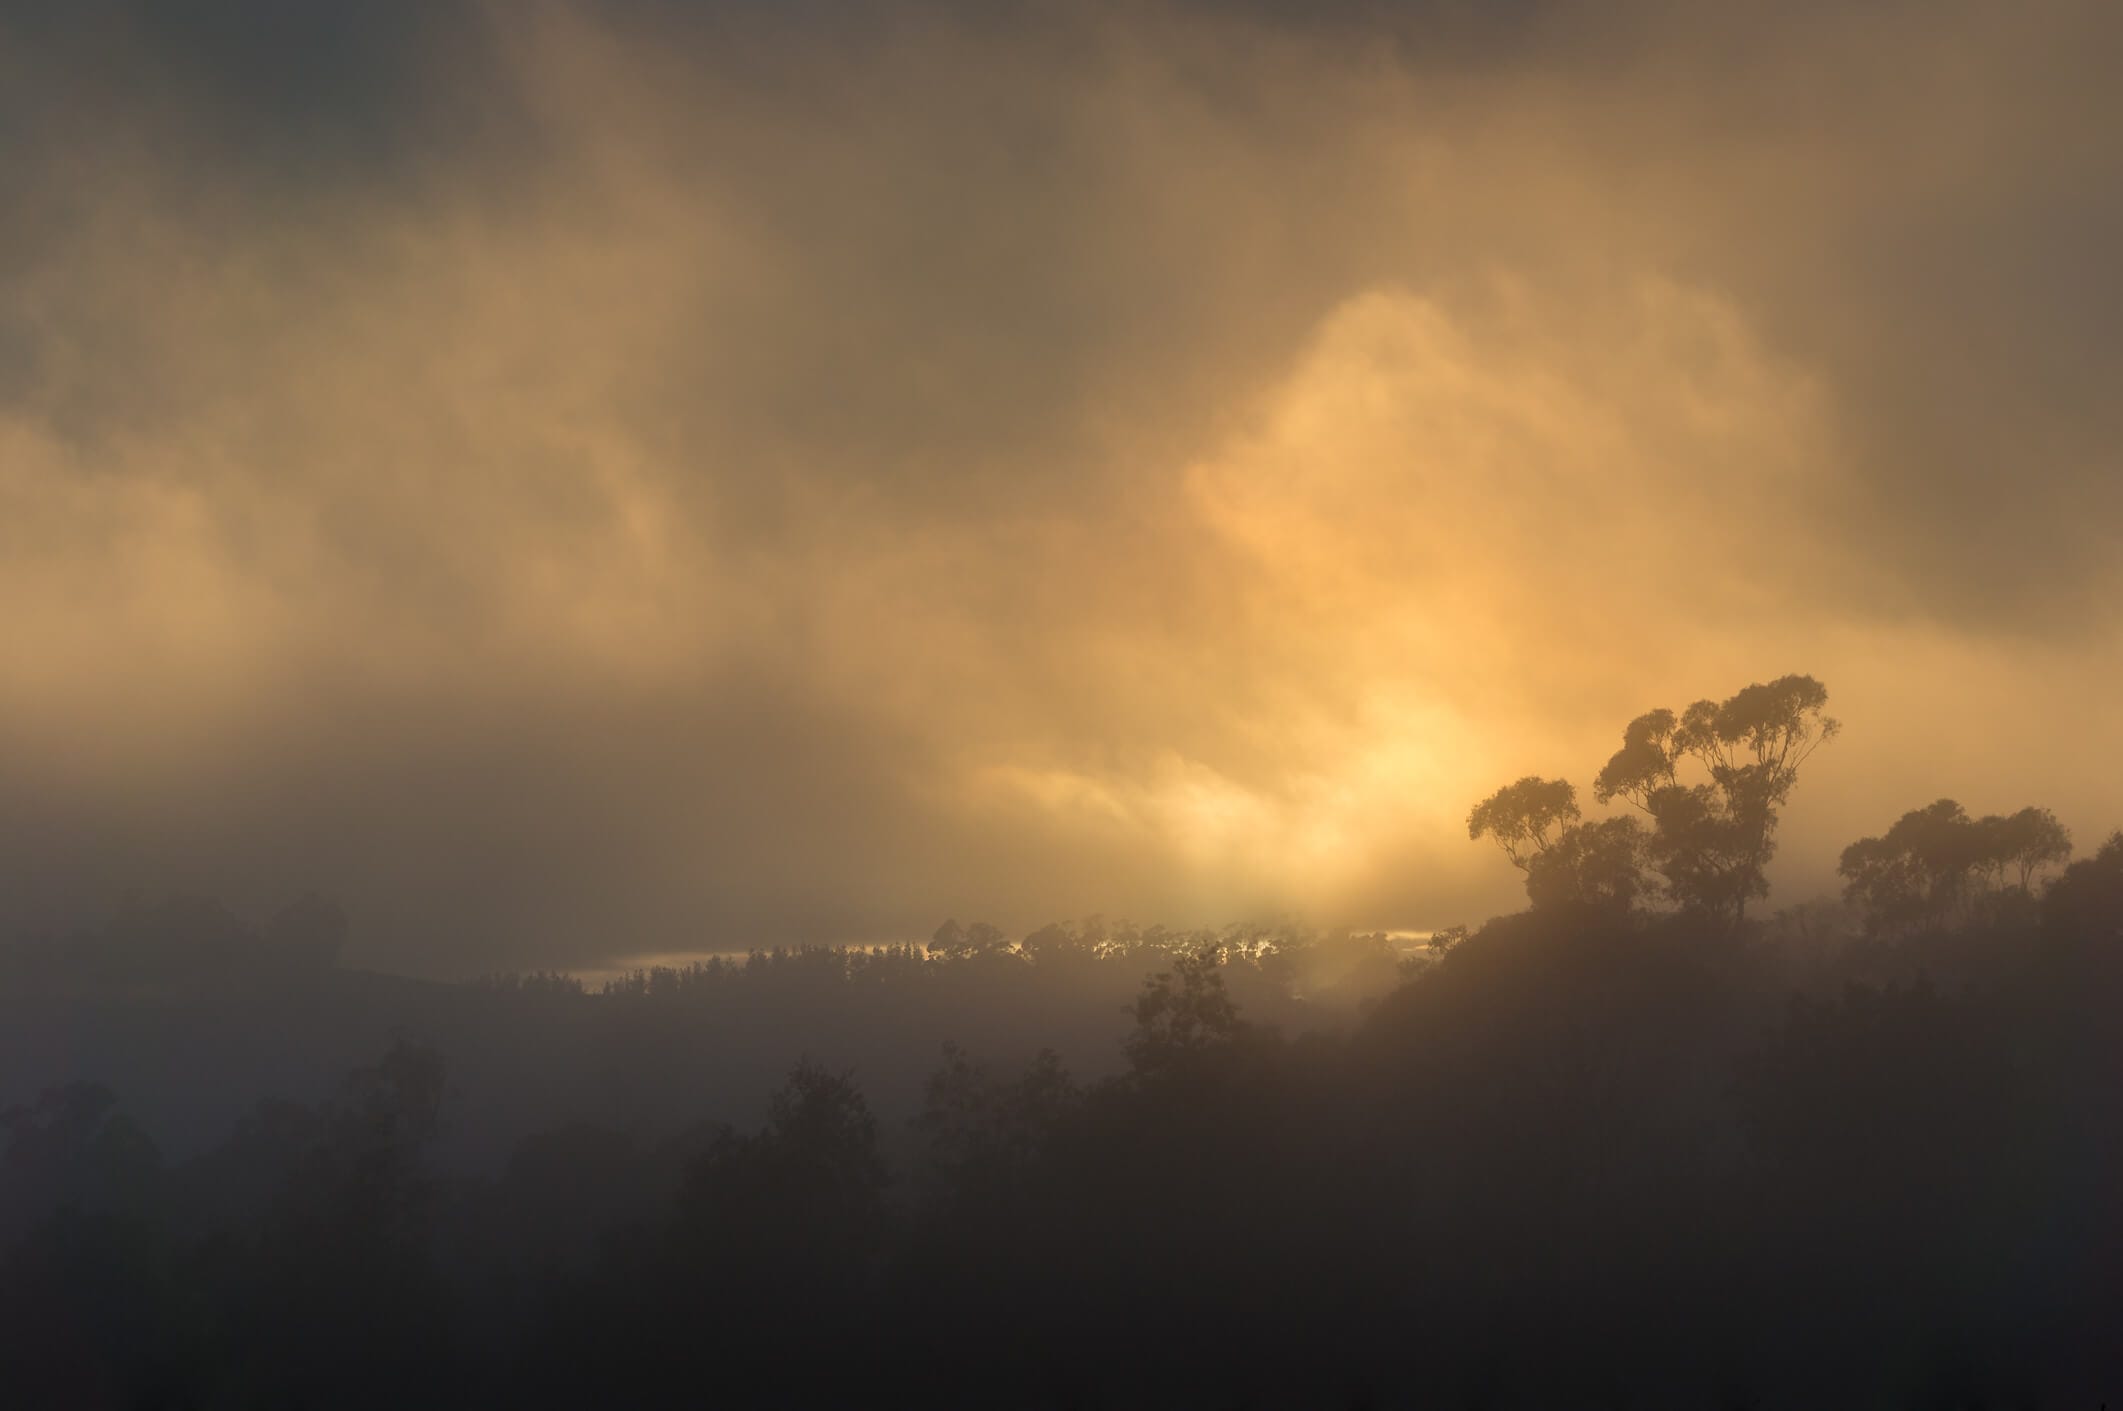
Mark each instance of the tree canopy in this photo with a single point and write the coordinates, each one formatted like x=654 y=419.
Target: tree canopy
x=1524 y=817
x=1936 y=864
x=1711 y=838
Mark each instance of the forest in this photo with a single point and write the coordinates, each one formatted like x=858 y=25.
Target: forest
x=1644 y=1143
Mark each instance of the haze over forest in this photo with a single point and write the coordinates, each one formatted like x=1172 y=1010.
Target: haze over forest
x=582 y=482
x=1061 y=705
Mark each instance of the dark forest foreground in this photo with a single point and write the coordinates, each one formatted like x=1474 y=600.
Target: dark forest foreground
x=1582 y=1158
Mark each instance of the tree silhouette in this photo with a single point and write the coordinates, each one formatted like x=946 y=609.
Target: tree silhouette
x=1936 y=863
x=952 y=941
x=1182 y=1014
x=1598 y=866
x=798 y=1205
x=1523 y=817
x=2029 y=842
x=338 y=1295
x=72 y=1146
x=2085 y=904
x=980 y=1135
x=1713 y=840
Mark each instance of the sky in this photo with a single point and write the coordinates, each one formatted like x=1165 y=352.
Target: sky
x=582 y=481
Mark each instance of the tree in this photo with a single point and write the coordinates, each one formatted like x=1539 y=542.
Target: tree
x=338 y=1276
x=1522 y=816
x=1055 y=941
x=2031 y=841
x=800 y=1203
x=1936 y=863
x=2085 y=905
x=1182 y=1013
x=1595 y=866
x=1646 y=762
x=1704 y=851
x=1916 y=873
x=1712 y=841
x=955 y=942
x=980 y=1134
x=70 y=1147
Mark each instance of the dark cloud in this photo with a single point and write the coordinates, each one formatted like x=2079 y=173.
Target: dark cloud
x=298 y=90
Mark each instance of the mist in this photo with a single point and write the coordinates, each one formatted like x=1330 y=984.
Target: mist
x=1093 y=705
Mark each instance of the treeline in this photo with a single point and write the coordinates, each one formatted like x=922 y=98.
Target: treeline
x=1337 y=966
x=1629 y=1147
x=1937 y=864
x=1584 y=1158
x=1706 y=787
x=175 y=945
x=219 y=1017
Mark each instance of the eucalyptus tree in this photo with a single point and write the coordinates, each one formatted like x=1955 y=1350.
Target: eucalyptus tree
x=2029 y=842
x=1567 y=861
x=1525 y=818
x=1936 y=863
x=1713 y=836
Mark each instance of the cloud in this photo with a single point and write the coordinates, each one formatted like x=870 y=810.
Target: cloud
x=579 y=482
